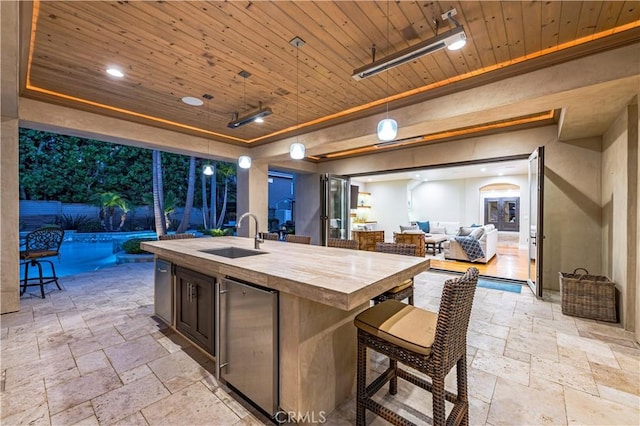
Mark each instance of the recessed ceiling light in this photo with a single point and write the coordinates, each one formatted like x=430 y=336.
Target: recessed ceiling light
x=369 y=179
x=114 y=72
x=426 y=180
x=500 y=174
x=484 y=169
x=417 y=176
x=190 y=100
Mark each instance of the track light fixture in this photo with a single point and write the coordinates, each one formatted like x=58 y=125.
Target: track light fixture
x=241 y=121
x=453 y=39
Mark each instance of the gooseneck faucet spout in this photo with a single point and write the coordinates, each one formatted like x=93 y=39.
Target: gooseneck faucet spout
x=257 y=240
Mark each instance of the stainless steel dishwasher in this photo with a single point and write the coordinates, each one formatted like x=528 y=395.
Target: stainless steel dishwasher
x=163 y=293
x=248 y=342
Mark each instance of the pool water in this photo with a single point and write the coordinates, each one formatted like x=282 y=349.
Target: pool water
x=77 y=257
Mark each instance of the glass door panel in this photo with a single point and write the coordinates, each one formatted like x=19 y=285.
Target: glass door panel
x=536 y=192
x=335 y=207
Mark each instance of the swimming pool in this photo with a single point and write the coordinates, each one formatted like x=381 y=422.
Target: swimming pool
x=86 y=252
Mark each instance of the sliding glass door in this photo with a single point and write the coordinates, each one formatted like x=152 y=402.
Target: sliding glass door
x=334 y=215
x=536 y=235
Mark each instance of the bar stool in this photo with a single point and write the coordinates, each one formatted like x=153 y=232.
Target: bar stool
x=272 y=236
x=340 y=243
x=300 y=239
x=39 y=244
x=428 y=342
x=405 y=289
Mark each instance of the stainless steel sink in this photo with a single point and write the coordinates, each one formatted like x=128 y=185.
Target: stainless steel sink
x=232 y=252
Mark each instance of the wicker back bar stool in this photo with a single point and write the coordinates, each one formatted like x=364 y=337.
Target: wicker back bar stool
x=40 y=244
x=300 y=239
x=175 y=237
x=405 y=289
x=340 y=243
x=428 y=342
x=271 y=236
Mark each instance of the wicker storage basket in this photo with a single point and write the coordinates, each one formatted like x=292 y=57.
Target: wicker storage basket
x=588 y=296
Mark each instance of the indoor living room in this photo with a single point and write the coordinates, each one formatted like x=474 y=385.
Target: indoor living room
x=447 y=200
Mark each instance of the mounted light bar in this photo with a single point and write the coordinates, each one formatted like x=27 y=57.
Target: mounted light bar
x=241 y=121
x=453 y=39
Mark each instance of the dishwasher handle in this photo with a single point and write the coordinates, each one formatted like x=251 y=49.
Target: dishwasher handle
x=222 y=328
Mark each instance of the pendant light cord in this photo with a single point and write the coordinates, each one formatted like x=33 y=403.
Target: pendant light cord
x=388 y=48
x=297 y=90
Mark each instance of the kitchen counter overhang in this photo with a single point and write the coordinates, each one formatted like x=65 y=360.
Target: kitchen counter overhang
x=340 y=278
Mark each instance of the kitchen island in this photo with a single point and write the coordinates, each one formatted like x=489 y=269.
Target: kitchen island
x=321 y=290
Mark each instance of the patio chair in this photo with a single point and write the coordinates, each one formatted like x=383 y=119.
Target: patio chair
x=403 y=290
x=40 y=244
x=340 y=243
x=431 y=343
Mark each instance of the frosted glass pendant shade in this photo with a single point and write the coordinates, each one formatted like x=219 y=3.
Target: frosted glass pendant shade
x=207 y=170
x=387 y=129
x=244 y=162
x=296 y=151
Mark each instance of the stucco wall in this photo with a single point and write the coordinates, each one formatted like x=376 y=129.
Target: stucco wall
x=307 y=215
x=388 y=206
x=614 y=202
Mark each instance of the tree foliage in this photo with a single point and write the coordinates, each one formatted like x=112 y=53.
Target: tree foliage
x=73 y=170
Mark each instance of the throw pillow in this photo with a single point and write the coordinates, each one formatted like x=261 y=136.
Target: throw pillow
x=464 y=231
x=477 y=233
x=424 y=226
x=409 y=228
x=437 y=230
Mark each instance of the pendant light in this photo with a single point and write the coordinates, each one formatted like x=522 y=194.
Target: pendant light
x=387 y=127
x=297 y=149
x=244 y=161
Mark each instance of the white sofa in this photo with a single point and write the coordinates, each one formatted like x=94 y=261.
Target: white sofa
x=488 y=241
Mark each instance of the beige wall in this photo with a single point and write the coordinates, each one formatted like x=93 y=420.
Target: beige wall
x=307 y=214
x=637 y=304
x=9 y=224
x=572 y=187
x=388 y=206
x=620 y=210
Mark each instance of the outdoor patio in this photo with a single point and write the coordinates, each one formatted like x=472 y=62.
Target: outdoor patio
x=93 y=354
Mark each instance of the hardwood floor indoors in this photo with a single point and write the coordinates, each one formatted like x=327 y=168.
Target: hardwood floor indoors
x=510 y=262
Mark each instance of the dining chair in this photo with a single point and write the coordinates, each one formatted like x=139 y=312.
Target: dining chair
x=403 y=290
x=39 y=245
x=431 y=343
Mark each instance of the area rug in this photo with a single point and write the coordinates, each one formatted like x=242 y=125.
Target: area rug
x=499 y=285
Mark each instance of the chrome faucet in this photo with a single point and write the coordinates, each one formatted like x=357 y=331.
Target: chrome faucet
x=257 y=240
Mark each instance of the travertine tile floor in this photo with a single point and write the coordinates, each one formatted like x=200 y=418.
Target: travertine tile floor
x=93 y=354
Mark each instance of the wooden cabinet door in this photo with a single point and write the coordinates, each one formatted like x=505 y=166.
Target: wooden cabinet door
x=195 y=303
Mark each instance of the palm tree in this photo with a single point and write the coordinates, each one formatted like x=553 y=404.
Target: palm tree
x=123 y=205
x=203 y=180
x=108 y=201
x=228 y=172
x=158 y=194
x=188 y=205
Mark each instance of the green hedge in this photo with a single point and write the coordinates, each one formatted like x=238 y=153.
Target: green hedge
x=132 y=246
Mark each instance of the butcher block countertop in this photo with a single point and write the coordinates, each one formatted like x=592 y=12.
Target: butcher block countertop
x=336 y=277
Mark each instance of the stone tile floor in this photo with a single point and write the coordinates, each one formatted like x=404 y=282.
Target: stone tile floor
x=93 y=354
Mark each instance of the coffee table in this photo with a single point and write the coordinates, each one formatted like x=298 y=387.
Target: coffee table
x=434 y=242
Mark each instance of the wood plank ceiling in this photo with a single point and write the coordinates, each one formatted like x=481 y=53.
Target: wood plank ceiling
x=171 y=49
